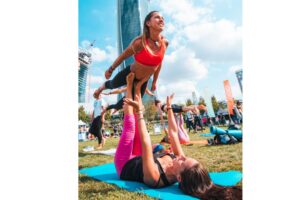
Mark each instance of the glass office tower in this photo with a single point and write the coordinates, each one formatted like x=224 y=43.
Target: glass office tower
x=239 y=75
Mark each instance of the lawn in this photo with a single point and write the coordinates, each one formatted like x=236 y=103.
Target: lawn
x=216 y=158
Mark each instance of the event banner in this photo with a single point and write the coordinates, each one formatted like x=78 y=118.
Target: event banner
x=207 y=99
x=228 y=93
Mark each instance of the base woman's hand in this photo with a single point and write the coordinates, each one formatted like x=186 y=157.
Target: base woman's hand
x=137 y=103
x=169 y=100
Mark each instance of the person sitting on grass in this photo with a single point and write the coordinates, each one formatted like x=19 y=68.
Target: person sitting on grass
x=134 y=159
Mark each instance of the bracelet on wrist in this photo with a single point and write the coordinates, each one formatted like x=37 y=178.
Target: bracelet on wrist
x=169 y=108
x=142 y=118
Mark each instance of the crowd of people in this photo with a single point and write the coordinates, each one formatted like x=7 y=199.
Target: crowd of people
x=200 y=121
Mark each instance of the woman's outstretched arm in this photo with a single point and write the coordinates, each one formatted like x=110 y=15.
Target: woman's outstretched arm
x=155 y=77
x=172 y=129
x=134 y=47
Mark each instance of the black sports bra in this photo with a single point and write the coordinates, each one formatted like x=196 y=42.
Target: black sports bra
x=133 y=169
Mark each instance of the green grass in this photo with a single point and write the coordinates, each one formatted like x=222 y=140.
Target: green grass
x=216 y=158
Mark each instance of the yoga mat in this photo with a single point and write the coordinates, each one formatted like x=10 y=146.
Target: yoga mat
x=109 y=152
x=107 y=173
x=207 y=134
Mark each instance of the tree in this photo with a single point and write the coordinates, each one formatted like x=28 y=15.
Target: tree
x=215 y=104
x=107 y=116
x=201 y=101
x=150 y=111
x=222 y=105
x=188 y=102
x=83 y=116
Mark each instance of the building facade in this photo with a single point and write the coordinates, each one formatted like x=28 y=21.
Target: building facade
x=84 y=60
x=239 y=76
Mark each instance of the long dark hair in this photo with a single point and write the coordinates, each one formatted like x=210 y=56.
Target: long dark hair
x=195 y=181
x=146 y=31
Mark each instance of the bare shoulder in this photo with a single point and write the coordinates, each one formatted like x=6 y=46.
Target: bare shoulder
x=137 y=43
x=165 y=41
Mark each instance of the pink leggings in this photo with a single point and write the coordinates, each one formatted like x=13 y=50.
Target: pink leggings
x=130 y=143
x=182 y=134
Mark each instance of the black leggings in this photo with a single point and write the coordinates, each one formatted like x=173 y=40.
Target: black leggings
x=116 y=106
x=95 y=128
x=118 y=81
x=198 y=121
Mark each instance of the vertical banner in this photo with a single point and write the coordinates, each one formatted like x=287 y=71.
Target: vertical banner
x=229 y=97
x=207 y=99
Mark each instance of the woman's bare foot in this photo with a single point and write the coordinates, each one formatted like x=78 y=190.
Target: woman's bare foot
x=130 y=78
x=100 y=146
x=98 y=91
x=140 y=83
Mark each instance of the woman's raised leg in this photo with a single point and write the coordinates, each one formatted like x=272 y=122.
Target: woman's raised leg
x=124 y=150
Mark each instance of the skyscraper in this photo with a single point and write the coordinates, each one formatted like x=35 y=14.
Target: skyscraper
x=239 y=75
x=131 y=15
x=84 y=59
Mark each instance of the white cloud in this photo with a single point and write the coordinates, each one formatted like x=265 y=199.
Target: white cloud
x=234 y=68
x=195 y=26
x=182 y=64
x=97 y=79
x=183 y=11
x=170 y=28
x=98 y=55
x=236 y=91
x=183 y=90
x=215 y=41
x=112 y=53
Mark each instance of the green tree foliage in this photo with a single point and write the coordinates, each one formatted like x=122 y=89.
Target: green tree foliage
x=215 y=104
x=150 y=111
x=201 y=101
x=222 y=105
x=107 y=116
x=188 y=102
x=83 y=116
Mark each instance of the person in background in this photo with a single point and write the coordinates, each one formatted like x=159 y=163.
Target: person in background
x=97 y=120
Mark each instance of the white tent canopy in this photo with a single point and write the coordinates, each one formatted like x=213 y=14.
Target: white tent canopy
x=81 y=123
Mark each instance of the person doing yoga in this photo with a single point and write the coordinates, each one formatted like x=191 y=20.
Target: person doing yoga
x=177 y=108
x=118 y=106
x=148 y=51
x=135 y=161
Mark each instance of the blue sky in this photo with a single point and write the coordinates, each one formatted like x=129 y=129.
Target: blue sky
x=205 y=45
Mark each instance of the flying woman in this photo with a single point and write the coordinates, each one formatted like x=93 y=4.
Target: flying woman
x=148 y=51
x=137 y=162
